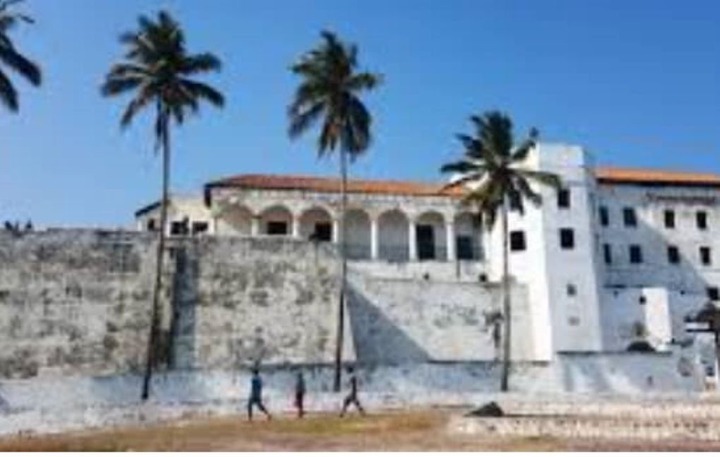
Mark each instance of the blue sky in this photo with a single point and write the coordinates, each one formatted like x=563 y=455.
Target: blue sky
x=635 y=82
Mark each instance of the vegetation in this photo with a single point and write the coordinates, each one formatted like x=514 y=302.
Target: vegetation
x=494 y=170
x=158 y=70
x=11 y=58
x=329 y=95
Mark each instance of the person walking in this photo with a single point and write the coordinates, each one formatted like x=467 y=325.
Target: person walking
x=352 y=397
x=256 y=386
x=300 y=394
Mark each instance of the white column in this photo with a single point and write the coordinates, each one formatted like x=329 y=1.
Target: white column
x=412 y=240
x=255 y=226
x=295 y=226
x=336 y=230
x=450 y=241
x=374 y=241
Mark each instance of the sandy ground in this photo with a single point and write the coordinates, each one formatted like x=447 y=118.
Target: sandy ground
x=410 y=431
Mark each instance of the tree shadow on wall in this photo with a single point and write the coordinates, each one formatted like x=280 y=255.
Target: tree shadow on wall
x=377 y=339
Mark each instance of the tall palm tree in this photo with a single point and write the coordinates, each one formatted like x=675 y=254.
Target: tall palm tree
x=329 y=95
x=11 y=58
x=494 y=171
x=158 y=70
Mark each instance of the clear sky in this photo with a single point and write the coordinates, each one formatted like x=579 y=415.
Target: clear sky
x=635 y=82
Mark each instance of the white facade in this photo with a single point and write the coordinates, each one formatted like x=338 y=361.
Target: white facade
x=579 y=300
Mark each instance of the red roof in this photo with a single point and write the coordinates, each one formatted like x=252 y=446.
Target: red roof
x=646 y=176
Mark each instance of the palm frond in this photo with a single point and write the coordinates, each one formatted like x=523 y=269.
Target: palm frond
x=8 y=94
x=22 y=65
x=301 y=121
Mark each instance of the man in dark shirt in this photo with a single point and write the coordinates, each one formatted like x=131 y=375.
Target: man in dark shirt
x=256 y=387
x=300 y=394
x=352 y=397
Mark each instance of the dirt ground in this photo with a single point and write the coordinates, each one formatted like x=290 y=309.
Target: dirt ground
x=407 y=431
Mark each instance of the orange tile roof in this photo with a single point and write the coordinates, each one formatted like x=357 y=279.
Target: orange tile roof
x=645 y=176
x=332 y=185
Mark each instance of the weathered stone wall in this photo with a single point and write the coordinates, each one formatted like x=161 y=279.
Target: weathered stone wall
x=76 y=302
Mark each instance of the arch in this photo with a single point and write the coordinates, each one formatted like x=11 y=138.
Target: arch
x=393 y=233
x=430 y=236
x=276 y=220
x=235 y=220
x=468 y=237
x=316 y=223
x=357 y=226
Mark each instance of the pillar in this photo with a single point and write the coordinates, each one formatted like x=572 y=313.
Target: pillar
x=336 y=230
x=450 y=241
x=295 y=226
x=412 y=240
x=255 y=226
x=374 y=241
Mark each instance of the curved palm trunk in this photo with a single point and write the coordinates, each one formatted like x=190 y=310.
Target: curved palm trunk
x=343 y=271
x=505 y=377
x=155 y=316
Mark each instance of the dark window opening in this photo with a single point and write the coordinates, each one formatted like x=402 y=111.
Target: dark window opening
x=179 y=228
x=629 y=217
x=701 y=219
x=604 y=216
x=713 y=293
x=517 y=241
x=516 y=204
x=464 y=247
x=277 y=228
x=151 y=225
x=563 y=198
x=425 y=239
x=635 y=254
x=607 y=254
x=199 y=227
x=705 y=255
x=322 y=232
x=567 y=238
x=571 y=290
x=669 y=219
x=673 y=254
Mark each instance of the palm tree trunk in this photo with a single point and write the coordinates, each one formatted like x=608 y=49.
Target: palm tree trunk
x=155 y=317
x=505 y=377
x=343 y=271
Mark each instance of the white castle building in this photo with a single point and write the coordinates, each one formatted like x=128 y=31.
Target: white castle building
x=616 y=256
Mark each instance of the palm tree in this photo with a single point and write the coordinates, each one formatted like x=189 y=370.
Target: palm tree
x=494 y=170
x=11 y=58
x=158 y=70
x=329 y=95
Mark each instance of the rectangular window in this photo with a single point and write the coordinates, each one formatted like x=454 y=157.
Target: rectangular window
x=277 y=228
x=705 y=255
x=563 y=198
x=669 y=218
x=629 y=217
x=517 y=241
x=713 y=293
x=323 y=232
x=464 y=245
x=607 y=253
x=179 y=228
x=199 y=227
x=567 y=238
x=635 y=254
x=604 y=216
x=701 y=218
x=673 y=254
x=515 y=204
x=151 y=227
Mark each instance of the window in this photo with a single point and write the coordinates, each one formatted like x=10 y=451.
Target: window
x=571 y=290
x=604 y=216
x=567 y=238
x=179 y=228
x=701 y=219
x=563 y=198
x=713 y=293
x=199 y=227
x=607 y=253
x=323 y=231
x=669 y=218
x=705 y=256
x=464 y=245
x=517 y=241
x=635 y=254
x=673 y=254
x=151 y=225
x=277 y=228
x=515 y=204
x=629 y=217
